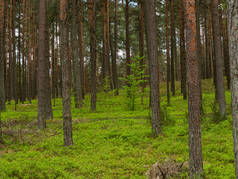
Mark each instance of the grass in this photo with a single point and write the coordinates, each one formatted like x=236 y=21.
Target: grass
x=112 y=142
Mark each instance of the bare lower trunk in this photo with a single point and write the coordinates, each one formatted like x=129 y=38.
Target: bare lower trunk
x=66 y=74
x=2 y=92
x=43 y=80
x=114 y=56
x=76 y=60
x=167 y=51
x=128 y=56
x=232 y=11
x=173 y=44
x=218 y=57
x=2 y=54
x=182 y=51
x=92 y=13
x=194 y=100
x=152 y=50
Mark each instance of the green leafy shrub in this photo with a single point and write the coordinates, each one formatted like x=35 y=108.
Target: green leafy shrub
x=133 y=82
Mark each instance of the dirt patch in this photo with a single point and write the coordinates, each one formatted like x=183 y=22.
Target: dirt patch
x=167 y=169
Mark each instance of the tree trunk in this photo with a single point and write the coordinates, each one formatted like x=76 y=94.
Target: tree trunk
x=10 y=58
x=76 y=60
x=2 y=46
x=141 y=45
x=104 y=55
x=173 y=44
x=114 y=56
x=81 y=47
x=44 y=94
x=232 y=11
x=152 y=50
x=182 y=50
x=14 y=77
x=226 y=53
x=128 y=52
x=195 y=146
x=167 y=50
x=218 y=57
x=199 y=51
x=92 y=24
x=66 y=73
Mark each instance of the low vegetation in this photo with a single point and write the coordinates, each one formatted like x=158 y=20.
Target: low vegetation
x=113 y=142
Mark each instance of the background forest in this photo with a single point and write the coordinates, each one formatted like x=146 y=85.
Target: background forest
x=118 y=89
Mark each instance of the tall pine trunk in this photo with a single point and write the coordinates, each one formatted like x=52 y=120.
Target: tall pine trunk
x=167 y=50
x=43 y=79
x=92 y=25
x=173 y=44
x=128 y=51
x=220 y=89
x=2 y=58
x=152 y=52
x=232 y=11
x=194 y=100
x=2 y=88
x=76 y=60
x=182 y=50
x=114 y=56
x=141 y=45
x=66 y=73
x=81 y=47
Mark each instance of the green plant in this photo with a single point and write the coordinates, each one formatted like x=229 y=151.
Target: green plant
x=133 y=81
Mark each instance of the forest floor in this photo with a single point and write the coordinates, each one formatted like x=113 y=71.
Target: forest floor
x=113 y=142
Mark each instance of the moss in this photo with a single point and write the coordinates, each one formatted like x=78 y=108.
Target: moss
x=112 y=142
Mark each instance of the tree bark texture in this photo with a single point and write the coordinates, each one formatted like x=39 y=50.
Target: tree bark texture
x=173 y=44
x=2 y=58
x=66 y=73
x=92 y=26
x=220 y=89
x=76 y=59
x=232 y=17
x=167 y=50
x=152 y=51
x=43 y=80
x=114 y=56
x=182 y=50
x=128 y=51
x=195 y=146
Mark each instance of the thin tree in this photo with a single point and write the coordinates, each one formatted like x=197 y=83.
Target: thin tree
x=152 y=52
x=114 y=56
x=194 y=100
x=2 y=58
x=220 y=88
x=182 y=50
x=173 y=46
x=43 y=79
x=2 y=89
x=128 y=51
x=81 y=46
x=92 y=25
x=76 y=59
x=14 y=77
x=142 y=43
x=167 y=50
x=226 y=53
x=66 y=73
x=232 y=17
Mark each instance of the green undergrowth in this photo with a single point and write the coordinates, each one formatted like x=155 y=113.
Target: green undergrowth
x=113 y=142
